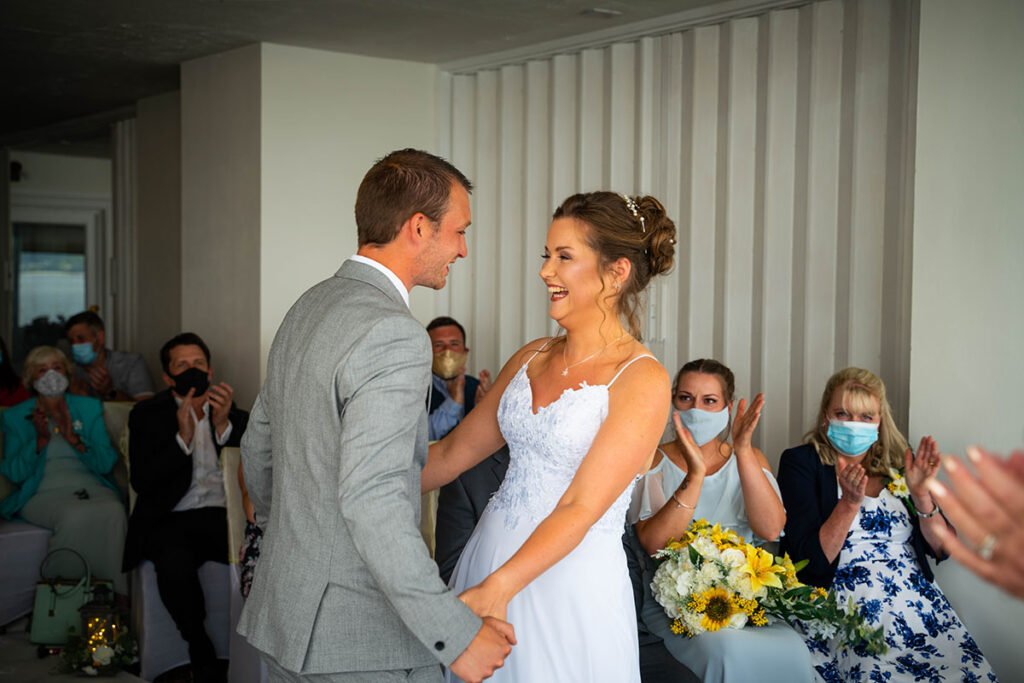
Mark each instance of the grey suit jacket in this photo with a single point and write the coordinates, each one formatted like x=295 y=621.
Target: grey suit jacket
x=332 y=459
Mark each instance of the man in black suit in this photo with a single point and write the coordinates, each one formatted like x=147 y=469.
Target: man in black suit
x=179 y=521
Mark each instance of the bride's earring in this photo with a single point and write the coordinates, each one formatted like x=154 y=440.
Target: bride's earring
x=617 y=286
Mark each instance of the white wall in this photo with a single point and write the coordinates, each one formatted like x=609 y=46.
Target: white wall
x=158 y=226
x=275 y=141
x=220 y=212
x=326 y=118
x=52 y=173
x=769 y=140
x=967 y=327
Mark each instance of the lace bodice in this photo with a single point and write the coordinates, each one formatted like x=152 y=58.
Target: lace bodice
x=547 y=447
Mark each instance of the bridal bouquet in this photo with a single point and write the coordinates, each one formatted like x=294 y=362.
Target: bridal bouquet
x=712 y=579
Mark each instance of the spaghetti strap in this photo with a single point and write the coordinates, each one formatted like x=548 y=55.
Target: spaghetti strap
x=646 y=355
x=546 y=344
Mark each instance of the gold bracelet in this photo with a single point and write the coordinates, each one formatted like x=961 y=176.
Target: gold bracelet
x=681 y=504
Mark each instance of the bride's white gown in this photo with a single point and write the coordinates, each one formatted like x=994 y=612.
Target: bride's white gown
x=576 y=621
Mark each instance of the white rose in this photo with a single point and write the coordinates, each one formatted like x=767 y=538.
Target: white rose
x=734 y=558
x=738 y=620
x=102 y=655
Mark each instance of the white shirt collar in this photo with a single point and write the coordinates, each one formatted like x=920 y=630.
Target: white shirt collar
x=388 y=273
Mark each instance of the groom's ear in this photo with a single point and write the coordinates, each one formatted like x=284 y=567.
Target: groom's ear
x=416 y=227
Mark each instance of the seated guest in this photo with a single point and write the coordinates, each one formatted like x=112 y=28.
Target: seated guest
x=12 y=390
x=179 y=521
x=453 y=393
x=700 y=474
x=101 y=372
x=861 y=512
x=57 y=450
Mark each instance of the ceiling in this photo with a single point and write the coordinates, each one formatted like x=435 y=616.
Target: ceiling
x=78 y=60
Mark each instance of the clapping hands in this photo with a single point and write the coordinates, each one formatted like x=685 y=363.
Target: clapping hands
x=695 y=465
x=922 y=466
x=853 y=480
x=745 y=422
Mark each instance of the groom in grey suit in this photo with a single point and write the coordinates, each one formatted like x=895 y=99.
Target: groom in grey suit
x=345 y=589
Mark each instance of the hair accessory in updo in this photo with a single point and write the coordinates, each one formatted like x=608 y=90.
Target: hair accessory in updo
x=631 y=205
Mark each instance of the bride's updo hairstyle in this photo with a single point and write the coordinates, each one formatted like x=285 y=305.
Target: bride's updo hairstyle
x=620 y=226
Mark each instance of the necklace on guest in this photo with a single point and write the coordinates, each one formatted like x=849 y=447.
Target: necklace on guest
x=565 y=360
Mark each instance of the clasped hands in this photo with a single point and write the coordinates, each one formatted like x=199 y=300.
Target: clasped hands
x=492 y=644
x=40 y=421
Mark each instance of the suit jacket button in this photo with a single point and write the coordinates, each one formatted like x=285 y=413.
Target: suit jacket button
x=439 y=645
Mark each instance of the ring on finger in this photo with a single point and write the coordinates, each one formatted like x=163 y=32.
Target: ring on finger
x=987 y=546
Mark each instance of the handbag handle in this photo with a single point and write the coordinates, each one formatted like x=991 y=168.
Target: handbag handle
x=86 y=580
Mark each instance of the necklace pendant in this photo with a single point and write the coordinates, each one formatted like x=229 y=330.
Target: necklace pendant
x=565 y=373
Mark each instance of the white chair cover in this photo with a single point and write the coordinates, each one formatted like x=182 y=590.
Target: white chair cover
x=161 y=647
x=22 y=547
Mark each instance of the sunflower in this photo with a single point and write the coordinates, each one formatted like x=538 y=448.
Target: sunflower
x=718 y=609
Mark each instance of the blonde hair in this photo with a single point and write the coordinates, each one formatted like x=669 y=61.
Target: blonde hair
x=859 y=387
x=38 y=357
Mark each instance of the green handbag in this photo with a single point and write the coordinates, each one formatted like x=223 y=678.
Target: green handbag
x=55 y=613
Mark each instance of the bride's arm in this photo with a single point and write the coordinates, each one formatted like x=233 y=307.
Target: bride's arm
x=477 y=436
x=638 y=408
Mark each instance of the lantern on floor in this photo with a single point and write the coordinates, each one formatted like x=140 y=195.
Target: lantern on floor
x=101 y=624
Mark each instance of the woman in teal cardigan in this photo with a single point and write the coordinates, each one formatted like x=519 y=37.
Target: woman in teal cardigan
x=57 y=451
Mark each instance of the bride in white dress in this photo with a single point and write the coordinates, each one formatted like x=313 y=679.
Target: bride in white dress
x=582 y=415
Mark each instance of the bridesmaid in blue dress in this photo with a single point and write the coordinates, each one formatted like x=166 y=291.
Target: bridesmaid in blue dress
x=701 y=475
x=867 y=537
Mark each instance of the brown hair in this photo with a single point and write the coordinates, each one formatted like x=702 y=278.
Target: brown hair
x=859 y=386
x=37 y=357
x=710 y=366
x=400 y=185
x=647 y=238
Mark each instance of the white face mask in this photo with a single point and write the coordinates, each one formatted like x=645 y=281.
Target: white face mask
x=704 y=425
x=52 y=383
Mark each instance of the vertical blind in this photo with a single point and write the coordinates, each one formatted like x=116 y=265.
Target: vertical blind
x=778 y=144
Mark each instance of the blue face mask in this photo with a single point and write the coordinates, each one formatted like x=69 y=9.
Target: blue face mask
x=704 y=425
x=852 y=438
x=83 y=353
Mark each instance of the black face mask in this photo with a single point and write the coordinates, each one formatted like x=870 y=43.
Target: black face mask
x=193 y=378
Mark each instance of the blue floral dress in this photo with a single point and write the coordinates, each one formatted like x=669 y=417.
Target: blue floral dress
x=879 y=570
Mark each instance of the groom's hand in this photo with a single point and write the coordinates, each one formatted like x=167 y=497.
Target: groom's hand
x=487 y=651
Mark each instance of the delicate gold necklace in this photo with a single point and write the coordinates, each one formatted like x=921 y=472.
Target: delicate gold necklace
x=565 y=360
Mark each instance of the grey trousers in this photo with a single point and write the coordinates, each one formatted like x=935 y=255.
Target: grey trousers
x=425 y=674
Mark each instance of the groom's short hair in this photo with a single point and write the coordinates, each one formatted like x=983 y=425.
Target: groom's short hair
x=402 y=184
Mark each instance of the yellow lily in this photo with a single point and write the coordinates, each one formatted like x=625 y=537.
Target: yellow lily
x=762 y=570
